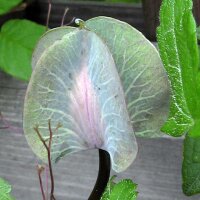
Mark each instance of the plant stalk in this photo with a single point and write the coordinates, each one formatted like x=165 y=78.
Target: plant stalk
x=39 y=169
x=48 y=148
x=103 y=175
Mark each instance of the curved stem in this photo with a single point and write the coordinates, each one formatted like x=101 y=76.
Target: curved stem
x=103 y=176
x=48 y=14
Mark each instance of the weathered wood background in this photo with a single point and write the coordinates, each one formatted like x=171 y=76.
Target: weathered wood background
x=157 y=169
x=130 y=13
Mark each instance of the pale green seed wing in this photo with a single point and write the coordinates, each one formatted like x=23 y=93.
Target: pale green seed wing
x=141 y=71
x=48 y=39
x=75 y=83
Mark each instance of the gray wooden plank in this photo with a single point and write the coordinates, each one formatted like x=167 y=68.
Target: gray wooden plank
x=157 y=169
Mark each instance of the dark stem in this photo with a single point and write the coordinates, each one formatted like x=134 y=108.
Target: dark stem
x=103 y=176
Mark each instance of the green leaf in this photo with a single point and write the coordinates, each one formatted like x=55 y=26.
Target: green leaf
x=141 y=71
x=178 y=48
x=198 y=33
x=5 y=190
x=191 y=157
x=179 y=51
x=7 y=5
x=198 y=81
x=191 y=164
x=125 y=189
x=17 y=41
x=109 y=187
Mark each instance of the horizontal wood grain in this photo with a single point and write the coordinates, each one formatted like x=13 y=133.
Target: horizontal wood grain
x=157 y=169
x=130 y=13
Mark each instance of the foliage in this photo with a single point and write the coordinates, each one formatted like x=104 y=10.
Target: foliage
x=176 y=39
x=7 y=5
x=125 y=189
x=5 y=190
x=191 y=165
x=191 y=153
x=198 y=33
x=179 y=52
x=17 y=41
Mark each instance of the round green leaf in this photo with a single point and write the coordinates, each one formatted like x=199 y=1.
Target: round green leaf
x=17 y=41
x=125 y=189
x=5 y=190
x=7 y=5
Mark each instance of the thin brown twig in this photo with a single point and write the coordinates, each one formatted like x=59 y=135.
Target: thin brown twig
x=41 y=138
x=2 y=119
x=48 y=14
x=5 y=127
x=40 y=169
x=8 y=126
x=71 y=22
x=59 y=125
x=49 y=159
x=47 y=179
x=64 y=15
x=48 y=148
